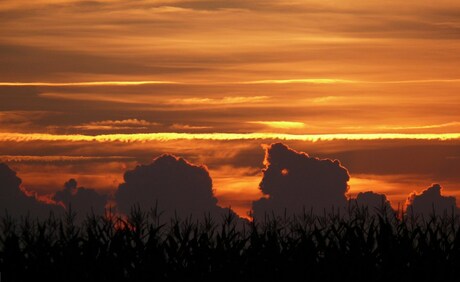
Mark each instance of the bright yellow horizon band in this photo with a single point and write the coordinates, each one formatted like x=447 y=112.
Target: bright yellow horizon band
x=264 y=81
x=170 y=136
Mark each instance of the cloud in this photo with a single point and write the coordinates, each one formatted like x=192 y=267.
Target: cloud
x=292 y=180
x=374 y=203
x=179 y=126
x=125 y=122
x=429 y=160
x=219 y=101
x=176 y=185
x=87 y=83
x=23 y=120
x=431 y=126
x=429 y=201
x=117 y=124
x=18 y=201
x=281 y=124
x=60 y=159
x=301 y=80
x=81 y=200
x=165 y=136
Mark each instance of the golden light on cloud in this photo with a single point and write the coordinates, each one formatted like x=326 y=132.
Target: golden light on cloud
x=301 y=80
x=219 y=101
x=116 y=124
x=431 y=126
x=168 y=136
x=53 y=159
x=230 y=82
x=281 y=124
x=188 y=127
x=88 y=83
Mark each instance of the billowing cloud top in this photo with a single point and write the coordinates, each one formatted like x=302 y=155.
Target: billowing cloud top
x=373 y=202
x=294 y=181
x=172 y=184
x=83 y=201
x=18 y=202
x=430 y=201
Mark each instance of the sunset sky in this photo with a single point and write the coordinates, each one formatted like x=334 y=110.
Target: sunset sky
x=90 y=89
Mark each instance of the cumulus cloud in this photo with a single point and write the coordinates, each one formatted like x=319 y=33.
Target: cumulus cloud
x=19 y=202
x=83 y=201
x=374 y=203
x=295 y=181
x=429 y=201
x=172 y=184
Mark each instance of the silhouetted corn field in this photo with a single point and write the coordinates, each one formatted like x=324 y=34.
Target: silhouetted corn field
x=357 y=246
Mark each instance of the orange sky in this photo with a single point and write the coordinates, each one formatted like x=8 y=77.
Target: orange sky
x=250 y=71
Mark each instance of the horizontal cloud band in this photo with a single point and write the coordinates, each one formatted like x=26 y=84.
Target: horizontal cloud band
x=205 y=82
x=168 y=136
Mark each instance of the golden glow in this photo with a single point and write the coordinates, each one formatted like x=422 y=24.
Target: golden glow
x=213 y=82
x=431 y=126
x=88 y=83
x=168 y=136
x=301 y=80
x=222 y=101
x=188 y=127
x=52 y=159
x=454 y=80
x=281 y=124
x=347 y=81
x=236 y=194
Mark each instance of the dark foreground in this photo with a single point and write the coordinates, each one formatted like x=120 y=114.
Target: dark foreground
x=325 y=248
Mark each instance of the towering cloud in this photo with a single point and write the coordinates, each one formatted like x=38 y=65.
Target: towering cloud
x=18 y=202
x=83 y=201
x=374 y=203
x=429 y=201
x=172 y=184
x=294 y=181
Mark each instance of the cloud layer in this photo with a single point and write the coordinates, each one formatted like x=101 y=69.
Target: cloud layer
x=291 y=180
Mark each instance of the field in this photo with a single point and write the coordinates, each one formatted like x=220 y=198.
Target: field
x=359 y=245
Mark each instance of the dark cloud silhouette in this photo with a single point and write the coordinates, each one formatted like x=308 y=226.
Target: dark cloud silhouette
x=18 y=202
x=172 y=184
x=373 y=202
x=81 y=200
x=429 y=201
x=294 y=181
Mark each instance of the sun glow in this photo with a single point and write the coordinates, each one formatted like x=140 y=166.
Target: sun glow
x=281 y=124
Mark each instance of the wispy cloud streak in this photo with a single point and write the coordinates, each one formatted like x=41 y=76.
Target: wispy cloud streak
x=213 y=82
x=89 y=83
x=168 y=136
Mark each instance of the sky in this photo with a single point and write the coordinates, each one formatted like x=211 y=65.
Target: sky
x=90 y=89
